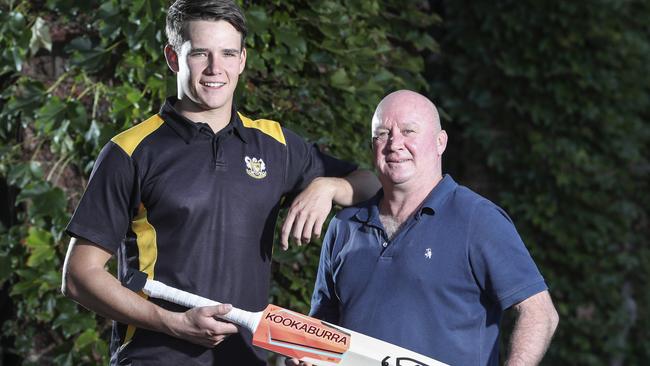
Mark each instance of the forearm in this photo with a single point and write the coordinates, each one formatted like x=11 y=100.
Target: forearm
x=86 y=281
x=310 y=208
x=100 y=292
x=536 y=322
x=357 y=186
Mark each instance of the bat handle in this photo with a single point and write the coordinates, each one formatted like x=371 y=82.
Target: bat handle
x=159 y=290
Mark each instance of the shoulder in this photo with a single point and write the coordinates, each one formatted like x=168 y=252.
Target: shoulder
x=265 y=127
x=468 y=203
x=466 y=197
x=130 y=139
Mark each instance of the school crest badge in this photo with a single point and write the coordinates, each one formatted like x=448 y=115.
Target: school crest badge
x=255 y=167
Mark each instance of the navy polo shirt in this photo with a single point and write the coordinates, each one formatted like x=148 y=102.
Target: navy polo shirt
x=195 y=210
x=438 y=287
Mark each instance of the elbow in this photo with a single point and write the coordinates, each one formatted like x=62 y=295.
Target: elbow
x=554 y=320
x=69 y=285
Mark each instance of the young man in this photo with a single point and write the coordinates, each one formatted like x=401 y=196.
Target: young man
x=190 y=197
x=428 y=264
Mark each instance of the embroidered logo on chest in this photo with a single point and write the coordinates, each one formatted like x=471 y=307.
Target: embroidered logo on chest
x=427 y=253
x=255 y=167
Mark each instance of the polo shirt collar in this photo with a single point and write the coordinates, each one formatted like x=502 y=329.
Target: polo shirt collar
x=188 y=129
x=438 y=194
x=368 y=212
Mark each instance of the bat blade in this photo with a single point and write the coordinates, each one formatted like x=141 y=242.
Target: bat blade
x=311 y=340
x=368 y=351
x=295 y=335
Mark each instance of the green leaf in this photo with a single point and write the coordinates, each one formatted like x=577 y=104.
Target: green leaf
x=291 y=39
x=16 y=22
x=41 y=248
x=88 y=337
x=71 y=321
x=340 y=80
x=257 y=19
x=86 y=55
x=50 y=114
x=20 y=175
x=18 y=57
x=23 y=287
x=45 y=201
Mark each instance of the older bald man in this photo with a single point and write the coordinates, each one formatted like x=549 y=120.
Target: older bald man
x=428 y=264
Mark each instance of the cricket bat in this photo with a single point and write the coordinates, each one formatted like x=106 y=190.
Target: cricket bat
x=293 y=334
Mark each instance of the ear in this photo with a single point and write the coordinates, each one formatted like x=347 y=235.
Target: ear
x=441 y=142
x=172 y=58
x=242 y=60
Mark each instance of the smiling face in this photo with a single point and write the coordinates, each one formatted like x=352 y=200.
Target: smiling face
x=408 y=142
x=208 y=65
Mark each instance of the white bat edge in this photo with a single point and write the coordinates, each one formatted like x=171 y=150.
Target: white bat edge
x=159 y=290
x=368 y=351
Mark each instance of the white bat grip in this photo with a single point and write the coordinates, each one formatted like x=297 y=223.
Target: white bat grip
x=159 y=290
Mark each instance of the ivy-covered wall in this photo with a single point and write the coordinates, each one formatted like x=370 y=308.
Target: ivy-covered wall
x=74 y=73
x=552 y=99
x=546 y=104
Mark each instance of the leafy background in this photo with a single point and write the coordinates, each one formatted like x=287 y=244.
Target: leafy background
x=546 y=104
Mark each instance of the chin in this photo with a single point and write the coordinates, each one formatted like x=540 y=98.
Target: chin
x=210 y=103
x=397 y=179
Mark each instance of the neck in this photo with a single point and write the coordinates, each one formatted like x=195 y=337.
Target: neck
x=217 y=118
x=401 y=202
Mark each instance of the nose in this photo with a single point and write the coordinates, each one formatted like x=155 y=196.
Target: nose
x=213 y=67
x=395 y=141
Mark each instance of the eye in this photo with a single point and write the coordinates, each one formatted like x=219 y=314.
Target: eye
x=199 y=54
x=230 y=53
x=407 y=132
x=380 y=135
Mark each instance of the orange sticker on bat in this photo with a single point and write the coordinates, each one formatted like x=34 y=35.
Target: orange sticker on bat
x=295 y=335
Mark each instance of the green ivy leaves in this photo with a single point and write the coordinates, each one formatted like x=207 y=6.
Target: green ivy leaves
x=554 y=116
x=73 y=74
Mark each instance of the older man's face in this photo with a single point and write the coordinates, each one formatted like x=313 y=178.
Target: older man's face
x=406 y=144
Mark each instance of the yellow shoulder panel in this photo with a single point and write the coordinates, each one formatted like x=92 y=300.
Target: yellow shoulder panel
x=267 y=126
x=131 y=138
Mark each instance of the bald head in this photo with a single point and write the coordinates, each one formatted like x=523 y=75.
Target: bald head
x=407 y=142
x=404 y=103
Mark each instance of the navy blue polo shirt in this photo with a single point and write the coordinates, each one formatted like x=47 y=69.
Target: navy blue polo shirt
x=438 y=287
x=195 y=210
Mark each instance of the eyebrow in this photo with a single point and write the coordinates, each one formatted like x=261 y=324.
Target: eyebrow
x=410 y=125
x=230 y=50
x=233 y=50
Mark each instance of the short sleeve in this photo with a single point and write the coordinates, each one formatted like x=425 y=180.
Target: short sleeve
x=104 y=212
x=324 y=301
x=500 y=262
x=305 y=162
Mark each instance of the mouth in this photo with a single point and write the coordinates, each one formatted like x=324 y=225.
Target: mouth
x=397 y=161
x=212 y=84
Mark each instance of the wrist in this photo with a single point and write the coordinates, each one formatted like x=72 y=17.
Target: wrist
x=328 y=185
x=170 y=322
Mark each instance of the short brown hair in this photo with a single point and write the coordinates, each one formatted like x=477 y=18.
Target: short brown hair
x=183 y=11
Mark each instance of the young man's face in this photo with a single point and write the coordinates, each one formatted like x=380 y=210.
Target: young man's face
x=208 y=65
